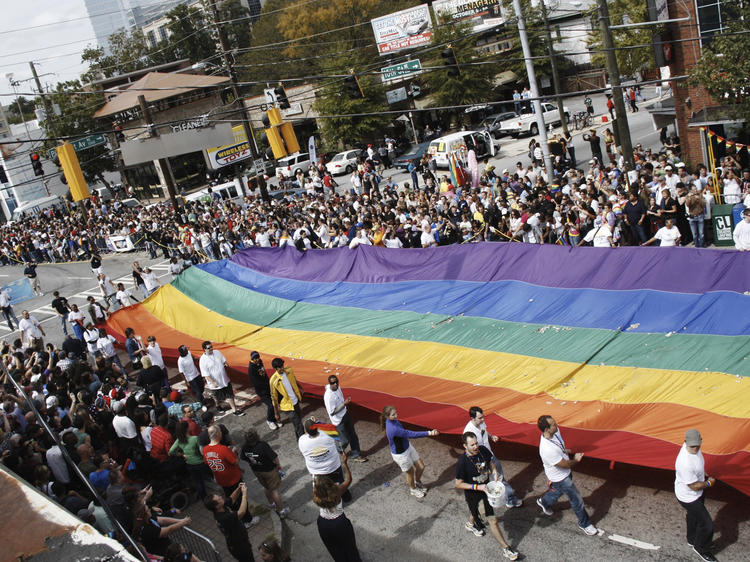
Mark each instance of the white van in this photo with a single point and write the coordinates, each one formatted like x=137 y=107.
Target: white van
x=228 y=191
x=480 y=141
x=31 y=208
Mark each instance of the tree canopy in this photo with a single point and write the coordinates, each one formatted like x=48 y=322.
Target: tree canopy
x=630 y=59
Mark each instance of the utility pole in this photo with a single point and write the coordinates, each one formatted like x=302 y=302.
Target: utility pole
x=45 y=101
x=555 y=75
x=166 y=169
x=621 y=122
x=541 y=128
x=243 y=110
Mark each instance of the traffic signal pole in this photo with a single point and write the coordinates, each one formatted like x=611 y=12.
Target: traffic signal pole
x=243 y=110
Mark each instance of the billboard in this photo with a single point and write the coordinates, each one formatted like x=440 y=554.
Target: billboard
x=482 y=14
x=403 y=30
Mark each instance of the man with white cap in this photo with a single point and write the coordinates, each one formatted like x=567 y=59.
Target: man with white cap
x=689 y=483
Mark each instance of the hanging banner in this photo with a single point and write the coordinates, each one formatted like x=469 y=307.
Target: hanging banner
x=311 y=149
x=403 y=30
x=20 y=290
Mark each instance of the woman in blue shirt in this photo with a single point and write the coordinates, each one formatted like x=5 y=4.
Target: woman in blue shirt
x=403 y=453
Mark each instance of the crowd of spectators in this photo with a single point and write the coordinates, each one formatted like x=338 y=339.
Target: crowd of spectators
x=525 y=204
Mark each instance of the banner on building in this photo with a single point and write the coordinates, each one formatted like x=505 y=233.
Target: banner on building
x=403 y=30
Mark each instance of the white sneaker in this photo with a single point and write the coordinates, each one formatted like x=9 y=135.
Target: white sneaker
x=272 y=425
x=283 y=513
x=477 y=532
x=590 y=530
x=416 y=492
x=254 y=521
x=515 y=503
x=510 y=554
x=545 y=510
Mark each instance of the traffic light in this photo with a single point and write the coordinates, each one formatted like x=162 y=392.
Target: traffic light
x=353 y=87
x=119 y=135
x=449 y=60
x=36 y=164
x=73 y=173
x=281 y=99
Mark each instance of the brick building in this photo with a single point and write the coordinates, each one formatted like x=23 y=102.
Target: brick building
x=694 y=108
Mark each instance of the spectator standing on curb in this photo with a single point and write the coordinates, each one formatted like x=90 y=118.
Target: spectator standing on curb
x=478 y=427
x=230 y=522
x=321 y=454
x=213 y=369
x=284 y=385
x=404 y=455
x=557 y=464
x=334 y=527
x=336 y=406
x=186 y=367
x=61 y=306
x=8 y=313
x=689 y=485
x=741 y=234
x=265 y=464
x=258 y=376
x=473 y=471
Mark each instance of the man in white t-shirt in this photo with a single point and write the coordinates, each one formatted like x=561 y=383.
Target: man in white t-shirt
x=600 y=235
x=689 y=483
x=213 y=369
x=321 y=454
x=667 y=235
x=557 y=465
x=478 y=427
x=427 y=239
x=336 y=406
x=31 y=330
x=186 y=367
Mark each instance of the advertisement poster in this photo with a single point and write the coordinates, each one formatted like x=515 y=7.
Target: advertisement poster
x=403 y=30
x=482 y=14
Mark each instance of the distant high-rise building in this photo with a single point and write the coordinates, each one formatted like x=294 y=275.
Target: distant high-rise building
x=108 y=17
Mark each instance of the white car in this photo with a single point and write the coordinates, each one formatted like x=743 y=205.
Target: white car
x=289 y=166
x=526 y=122
x=343 y=163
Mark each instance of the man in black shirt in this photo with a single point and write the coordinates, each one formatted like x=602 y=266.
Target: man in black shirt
x=473 y=471
x=30 y=272
x=230 y=522
x=61 y=306
x=635 y=214
x=259 y=378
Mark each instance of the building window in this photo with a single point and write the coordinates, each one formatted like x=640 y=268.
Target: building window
x=151 y=38
x=714 y=16
x=163 y=33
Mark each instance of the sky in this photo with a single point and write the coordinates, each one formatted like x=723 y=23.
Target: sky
x=55 y=49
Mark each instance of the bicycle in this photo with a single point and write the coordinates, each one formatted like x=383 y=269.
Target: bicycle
x=582 y=120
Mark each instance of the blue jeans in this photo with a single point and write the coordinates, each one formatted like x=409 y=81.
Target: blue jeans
x=566 y=486
x=8 y=314
x=64 y=323
x=696 y=227
x=348 y=436
x=510 y=493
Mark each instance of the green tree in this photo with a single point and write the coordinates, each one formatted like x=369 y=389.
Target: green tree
x=76 y=120
x=130 y=51
x=99 y=65
x=724 y=67
x=629 y=60
x=190 y=34
x=474 y=82
x=238 y=30
x=333 y=99
x=27 y=109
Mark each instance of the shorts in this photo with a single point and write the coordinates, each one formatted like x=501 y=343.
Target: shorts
x=270 y=480
x=406 y=459
x=225 y=393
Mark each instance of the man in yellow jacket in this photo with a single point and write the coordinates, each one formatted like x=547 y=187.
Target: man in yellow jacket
x=284 y=385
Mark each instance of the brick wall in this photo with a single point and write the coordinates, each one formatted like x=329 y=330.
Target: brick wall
x=689 y=100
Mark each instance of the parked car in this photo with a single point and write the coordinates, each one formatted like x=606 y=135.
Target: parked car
x=289 y=166
x=495 y=122
x=526 y=122
x=343 y=162
x=414 y=153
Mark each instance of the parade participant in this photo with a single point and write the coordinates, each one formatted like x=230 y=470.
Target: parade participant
x=213 y=369
x=336 y=406
x=284 y=385
x=404 y=455
x=258 y=376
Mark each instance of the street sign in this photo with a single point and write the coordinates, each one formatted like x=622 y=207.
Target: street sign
x=82 y=144
x=400 y=71
x=395 y=96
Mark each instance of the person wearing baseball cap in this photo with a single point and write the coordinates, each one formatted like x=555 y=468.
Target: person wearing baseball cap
x=689 y=484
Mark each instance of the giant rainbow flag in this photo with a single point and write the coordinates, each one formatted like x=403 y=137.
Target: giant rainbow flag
x=627 y=348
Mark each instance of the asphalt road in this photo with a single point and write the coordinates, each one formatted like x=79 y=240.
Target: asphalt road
x=633 y=503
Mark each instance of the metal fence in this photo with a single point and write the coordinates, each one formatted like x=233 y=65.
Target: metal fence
x=200 y=546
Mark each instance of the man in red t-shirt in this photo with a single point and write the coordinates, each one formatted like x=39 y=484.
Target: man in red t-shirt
x=161 y=439
x=223 y=462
